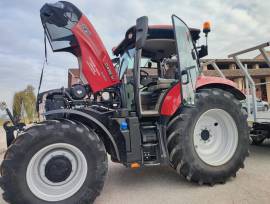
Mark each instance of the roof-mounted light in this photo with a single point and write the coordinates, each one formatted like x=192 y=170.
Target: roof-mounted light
x=206 y=27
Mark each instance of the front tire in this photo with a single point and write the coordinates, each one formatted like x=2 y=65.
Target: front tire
x=208 y=143
x=56 y=161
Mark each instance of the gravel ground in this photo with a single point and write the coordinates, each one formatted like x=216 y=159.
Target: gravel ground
x=162 y=185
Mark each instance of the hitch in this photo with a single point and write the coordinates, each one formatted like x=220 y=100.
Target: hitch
x=10 y=129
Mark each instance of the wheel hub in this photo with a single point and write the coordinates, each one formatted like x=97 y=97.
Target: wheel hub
x=205 y=135
x=58 y=169
x=56 y=172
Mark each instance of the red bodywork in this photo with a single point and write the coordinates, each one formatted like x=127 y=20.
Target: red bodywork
x=206 y=80
x=172 y=100
x=96 y=65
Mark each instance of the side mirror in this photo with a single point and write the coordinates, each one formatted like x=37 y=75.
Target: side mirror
x=141 y=31
x=203 y=51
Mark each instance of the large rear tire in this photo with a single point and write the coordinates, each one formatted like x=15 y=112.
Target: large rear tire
x=208 y=143
x=59 y=162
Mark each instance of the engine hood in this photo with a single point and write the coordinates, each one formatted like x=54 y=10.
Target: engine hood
x=67 y=29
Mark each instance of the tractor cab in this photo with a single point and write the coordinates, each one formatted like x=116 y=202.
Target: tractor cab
x=166 y=61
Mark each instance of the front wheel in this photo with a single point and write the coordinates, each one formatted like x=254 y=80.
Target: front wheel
x=59 y=162
x=208 y=143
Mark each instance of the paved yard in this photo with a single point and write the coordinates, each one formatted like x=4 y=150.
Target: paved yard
x=162 y=185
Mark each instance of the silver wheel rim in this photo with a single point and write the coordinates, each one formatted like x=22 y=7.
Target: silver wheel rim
x=215 y=137
x=47 y=190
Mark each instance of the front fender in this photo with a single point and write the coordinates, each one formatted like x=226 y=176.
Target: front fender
x=90 y=118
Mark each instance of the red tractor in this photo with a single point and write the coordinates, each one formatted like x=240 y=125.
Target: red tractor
x=149 y=106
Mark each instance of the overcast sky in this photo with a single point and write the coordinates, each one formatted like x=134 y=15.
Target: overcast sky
x=236 y=24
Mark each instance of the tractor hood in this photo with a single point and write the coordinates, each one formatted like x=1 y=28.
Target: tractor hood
x=67 y=29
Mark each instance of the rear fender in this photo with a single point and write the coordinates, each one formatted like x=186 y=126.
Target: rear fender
x=205 y=82
x=172 y=99
x=88 y=119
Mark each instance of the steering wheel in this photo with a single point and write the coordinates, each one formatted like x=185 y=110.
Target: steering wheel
x=144 y=74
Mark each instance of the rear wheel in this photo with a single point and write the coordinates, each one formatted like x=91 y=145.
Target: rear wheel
x=60 y=162
x=208 y=143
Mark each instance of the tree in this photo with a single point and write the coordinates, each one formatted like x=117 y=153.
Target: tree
x=17 y=104
x=30 y=102
x=25 y=100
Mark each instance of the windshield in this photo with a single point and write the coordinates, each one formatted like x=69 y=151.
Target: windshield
x=126 y=61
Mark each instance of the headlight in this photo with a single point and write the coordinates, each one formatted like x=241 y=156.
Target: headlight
x=105 y=96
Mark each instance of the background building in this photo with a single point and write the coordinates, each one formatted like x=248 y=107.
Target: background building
x=73 y=77
x=257 y=67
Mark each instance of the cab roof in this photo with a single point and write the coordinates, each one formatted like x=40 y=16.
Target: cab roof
x=154 y=32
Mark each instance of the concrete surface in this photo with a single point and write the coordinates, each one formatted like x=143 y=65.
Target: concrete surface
x=161 y=185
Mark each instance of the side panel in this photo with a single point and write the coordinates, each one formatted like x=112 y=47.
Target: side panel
x=96 y=65
x=171 y=101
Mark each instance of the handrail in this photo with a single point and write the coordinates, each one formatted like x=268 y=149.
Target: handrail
x=249 y=81
x=213 y=63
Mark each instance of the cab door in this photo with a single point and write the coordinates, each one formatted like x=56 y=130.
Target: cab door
x=187 y=60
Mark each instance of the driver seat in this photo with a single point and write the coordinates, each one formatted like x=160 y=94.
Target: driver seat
x=152 y=98
x=161 y=84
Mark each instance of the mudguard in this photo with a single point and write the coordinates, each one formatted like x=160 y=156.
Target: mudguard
x=221 y=83
x=172 y=100
x=90 y=118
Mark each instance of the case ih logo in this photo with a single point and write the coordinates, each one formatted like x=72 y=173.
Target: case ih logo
x=85 y=29
x=109 y=71
x=92 y=67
